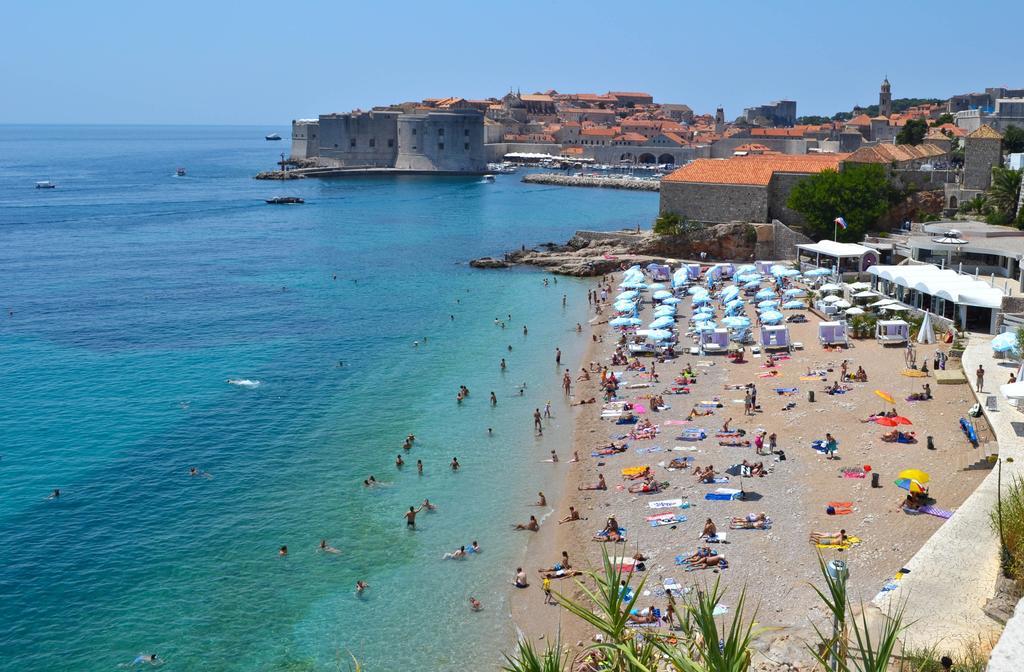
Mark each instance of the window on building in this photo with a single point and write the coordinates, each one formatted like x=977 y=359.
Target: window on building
x=391 y=142
x=466 y=132
x=373 y=142
x=414 y=131
x=440 y=132
x=466 y=146
x=440 y=145
x=352 y=142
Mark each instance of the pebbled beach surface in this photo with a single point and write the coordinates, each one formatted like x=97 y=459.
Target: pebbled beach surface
x=776 y=566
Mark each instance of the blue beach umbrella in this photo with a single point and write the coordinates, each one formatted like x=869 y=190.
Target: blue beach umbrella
x=661 y=323
x=1005 y=342
x=778 y=269
x=628 y=295
x=655 y=286
x=704 y=325
x=624 y=306
x=746 y=268
x=662 y=294
x=700 y=299
x=794 y=305
x=789 y=273
x=747 y=277
x=767 y=305
x=664 y=311
x=625 y=322
x=771 y=317
x=693 y=291
x=736 y=322
x=818 y=272
x=730 y=292
x=794 y=292
x=671 y=301
x=753 y=284
x=733 y=303
x=659 y=335
x=764 y=294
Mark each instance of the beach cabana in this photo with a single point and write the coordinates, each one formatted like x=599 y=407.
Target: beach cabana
x=829 y=255
x=659 y=272
x=693 y=271
x=715 y=340
x=775 y=337
x=833 y=333
x=894 y=332
x=764 y=266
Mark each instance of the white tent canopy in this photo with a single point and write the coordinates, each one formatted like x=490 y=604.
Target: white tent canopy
x=927 y=332
x=942 y=283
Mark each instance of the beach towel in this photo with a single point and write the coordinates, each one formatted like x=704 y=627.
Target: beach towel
x=635 y=471
x=665 y=504
x=604 y=535
x=935 y=511
x=838 y=508
x=694 y=434
x=627 y=421
x=710 y=403
x=660 y=516
x=769 y=374
x=718 y=479
x=854 y=474
x=786 y=390
x=719 y=538
x=652 y=449
x=732 y=434
x=673 y=587
x=676 y=422
x=913 y=373
x=678 y=518
x=806 y=378
x=850 y=543
x=735 y=443
x=723 y=495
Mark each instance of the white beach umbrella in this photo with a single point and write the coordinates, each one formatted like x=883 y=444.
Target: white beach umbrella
x=854 y=311
x=883 y=302
x=830 y=287
x=858 y=286
x=842 y=303
x=867 y=293
x=927 y=332
x=894 y=309
x=1013 y=390
x=831 y=298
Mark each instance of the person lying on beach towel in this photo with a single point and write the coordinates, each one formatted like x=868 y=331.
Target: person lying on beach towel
x=694 y=413
x=627 y=419
x=610 y=449
x=716 y=561
x=752 y=521
x=704 y=475
x=650 y=615
x=560 y=573
x=679 y=463
x=769 y=374
x=600 y=485
x=838 y=508
x=735 y=443
x=752 y=470
x=685 y=380
x=786 y=391
x=836 y=388
x=636 y=473
x=829 y=538
x=648 y=486
x=896 y=436
x=926 y=395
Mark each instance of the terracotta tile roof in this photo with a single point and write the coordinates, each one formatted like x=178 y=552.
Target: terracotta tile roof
x=753 y=170
x=954 y=129
x=755 y=148
x=674 y=138
x=536 y=98
x=935 y=134
x=985 y=132
x=631 y=137
x=587 y=110
x=796 y=132
x=860 y=120
x=603 y=132
x=641 y=123
x=635 y=94
x=886 y=154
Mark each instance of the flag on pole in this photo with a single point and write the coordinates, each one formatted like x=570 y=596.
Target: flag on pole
x=841 y=223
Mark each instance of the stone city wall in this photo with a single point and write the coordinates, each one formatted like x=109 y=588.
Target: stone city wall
x=715 y=203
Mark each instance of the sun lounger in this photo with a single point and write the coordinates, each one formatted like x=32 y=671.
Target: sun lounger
x=936 y=511
x=661 y=522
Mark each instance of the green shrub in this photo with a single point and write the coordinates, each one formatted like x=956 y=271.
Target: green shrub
x=1013 y=525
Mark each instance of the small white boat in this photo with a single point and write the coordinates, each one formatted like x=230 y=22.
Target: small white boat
x=45 y=184
x=488 y=178
x=181 y=172
x=273 y=136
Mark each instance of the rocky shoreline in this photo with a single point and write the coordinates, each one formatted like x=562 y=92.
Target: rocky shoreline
x=592 y=181
x=594 y=253
x=279 y=175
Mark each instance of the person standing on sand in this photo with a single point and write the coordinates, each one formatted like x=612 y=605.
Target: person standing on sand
x=546 y=587
x=980 y=376
x=537 y=423
x=746 y=403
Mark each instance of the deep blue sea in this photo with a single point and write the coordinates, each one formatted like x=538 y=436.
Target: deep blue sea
x=129 y=297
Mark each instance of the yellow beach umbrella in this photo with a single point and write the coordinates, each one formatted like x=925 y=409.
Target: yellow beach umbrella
x=914 y=475
x=886 y=396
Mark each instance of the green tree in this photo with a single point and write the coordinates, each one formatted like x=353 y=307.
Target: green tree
x=945 y=118
x=668 y=224
x=860 y=194
x=1003 y=195
x=813 y=119
x=1013 y=139
x=913 y=132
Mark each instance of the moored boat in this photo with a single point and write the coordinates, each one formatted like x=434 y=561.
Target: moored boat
x=285 y=200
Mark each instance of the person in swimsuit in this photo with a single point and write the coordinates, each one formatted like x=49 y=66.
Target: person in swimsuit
x=532 y=525
x=410 y=516
x=573 y=515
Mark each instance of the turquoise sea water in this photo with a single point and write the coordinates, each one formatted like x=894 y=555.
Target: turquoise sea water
x=136 y=295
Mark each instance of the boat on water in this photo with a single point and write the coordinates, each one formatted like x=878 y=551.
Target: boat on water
x=181 y=172
x=273 y=136
x=285 y=200
x=488 y=178
x=45 y=184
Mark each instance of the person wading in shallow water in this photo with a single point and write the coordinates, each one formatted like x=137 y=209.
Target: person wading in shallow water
x=537 y=422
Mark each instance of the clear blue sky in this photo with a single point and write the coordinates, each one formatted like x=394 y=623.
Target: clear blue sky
x=206 y=62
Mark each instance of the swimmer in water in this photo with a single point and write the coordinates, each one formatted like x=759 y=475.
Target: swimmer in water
x=474 y=604
x=542 y=500
x=324 y=547
x=144 y=659
x=428 y=506
x=55 y=494
x=399 y=462
x=361 y=586
x=283 y=551
x=490 y=431
x=192 y=471
x=455 y=464
x=419 y=467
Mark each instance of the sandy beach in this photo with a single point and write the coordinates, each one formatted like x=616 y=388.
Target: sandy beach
x=775 y=565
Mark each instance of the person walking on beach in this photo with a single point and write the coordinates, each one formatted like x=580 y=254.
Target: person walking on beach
x=546 y=587
x=537 y=423
x=746 y=403
x=980 y=376
x=558 y=356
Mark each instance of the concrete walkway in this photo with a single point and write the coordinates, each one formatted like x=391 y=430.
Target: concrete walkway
x=954 y=573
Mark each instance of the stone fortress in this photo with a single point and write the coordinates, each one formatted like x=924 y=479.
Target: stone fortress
x=394 y=140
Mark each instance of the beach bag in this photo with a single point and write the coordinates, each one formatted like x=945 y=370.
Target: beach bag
x=975 y=411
